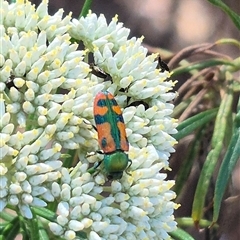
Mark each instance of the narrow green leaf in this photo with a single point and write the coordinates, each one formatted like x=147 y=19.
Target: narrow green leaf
x=6 y=216
x=180 y=234
x=201 y=65
x=203 y=183
x=211 y=160
x=34 y=230
x=235 y=67
x=229 y=130
x=31 y=227
x=184 y=222
x=23 y=228
x=192 y=123
x=12 y=229
x=234 y=16
x=231 y=41
x=86 y=8
x=187 y=164
x=45 y=213
x=43 y=235
x=230 y=159
x=221 y=122
x=2 y=226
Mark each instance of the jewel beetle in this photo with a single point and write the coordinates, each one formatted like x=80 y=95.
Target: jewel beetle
x=112 y=137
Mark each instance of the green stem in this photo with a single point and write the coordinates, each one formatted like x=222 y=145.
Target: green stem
x=233 y=15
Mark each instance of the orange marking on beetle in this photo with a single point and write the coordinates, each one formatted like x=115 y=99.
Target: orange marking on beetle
x=123 y=141
x=117 y=110
x=104 y=136
x=100 y=110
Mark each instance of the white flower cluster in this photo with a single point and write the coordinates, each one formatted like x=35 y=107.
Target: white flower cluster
x=46 y=100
